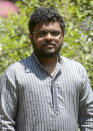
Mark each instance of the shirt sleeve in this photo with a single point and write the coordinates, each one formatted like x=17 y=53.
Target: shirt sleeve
x=86 y=105
x=8 y=101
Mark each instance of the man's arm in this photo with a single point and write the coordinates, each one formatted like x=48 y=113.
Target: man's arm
x=86 y=105
x=8 y=101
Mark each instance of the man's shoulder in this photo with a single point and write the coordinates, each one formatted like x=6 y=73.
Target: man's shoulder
x=66 y=60
x=21 y=64
x=71 y=63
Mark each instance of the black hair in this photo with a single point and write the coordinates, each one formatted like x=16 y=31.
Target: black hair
x=43 y=14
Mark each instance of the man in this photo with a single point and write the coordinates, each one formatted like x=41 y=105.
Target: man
x=46 y=92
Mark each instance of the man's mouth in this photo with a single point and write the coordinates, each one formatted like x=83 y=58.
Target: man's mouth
x=50 y=44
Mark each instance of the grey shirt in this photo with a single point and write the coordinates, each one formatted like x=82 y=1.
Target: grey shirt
x=32 y=100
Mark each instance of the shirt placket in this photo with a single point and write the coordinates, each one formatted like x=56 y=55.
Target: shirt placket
x=54 y=89
x=54 y=97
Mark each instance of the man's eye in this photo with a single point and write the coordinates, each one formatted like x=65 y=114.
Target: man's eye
x=41 y=33
x=55 y=33
x=44 y=33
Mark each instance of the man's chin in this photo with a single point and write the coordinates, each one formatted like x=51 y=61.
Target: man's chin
x=47 y=55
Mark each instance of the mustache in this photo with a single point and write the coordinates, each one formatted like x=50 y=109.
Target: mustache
x=49 y=43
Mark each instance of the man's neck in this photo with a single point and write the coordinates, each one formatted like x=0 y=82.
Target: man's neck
x=49 y=64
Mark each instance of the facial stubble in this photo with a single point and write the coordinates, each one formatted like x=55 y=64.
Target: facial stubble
x=41 y=54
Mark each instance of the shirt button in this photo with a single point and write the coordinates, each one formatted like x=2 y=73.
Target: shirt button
x=50 y=104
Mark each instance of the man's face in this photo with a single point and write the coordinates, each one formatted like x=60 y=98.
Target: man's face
x=47 y=39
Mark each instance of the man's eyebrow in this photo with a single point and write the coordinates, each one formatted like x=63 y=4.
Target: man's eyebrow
x=49 y=30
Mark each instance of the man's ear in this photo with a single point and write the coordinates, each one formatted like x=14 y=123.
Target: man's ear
x=30 y=36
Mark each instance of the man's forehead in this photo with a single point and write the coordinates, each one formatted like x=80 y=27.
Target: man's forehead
x=48 y=25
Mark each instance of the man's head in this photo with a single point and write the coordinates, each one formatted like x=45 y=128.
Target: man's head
x=46 y=29
x=42 y=15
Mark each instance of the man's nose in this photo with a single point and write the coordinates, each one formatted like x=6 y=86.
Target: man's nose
x=49 y=36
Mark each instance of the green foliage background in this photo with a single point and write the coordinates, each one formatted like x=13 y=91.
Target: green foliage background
x=78 y=40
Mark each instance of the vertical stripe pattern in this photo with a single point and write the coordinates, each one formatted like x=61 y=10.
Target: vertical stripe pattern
x=32 y=100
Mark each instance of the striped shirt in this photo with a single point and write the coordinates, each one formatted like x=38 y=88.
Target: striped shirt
x=32 y=100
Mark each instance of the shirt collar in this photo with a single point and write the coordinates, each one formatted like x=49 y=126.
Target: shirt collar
x=58 y=66
x=35 y=59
